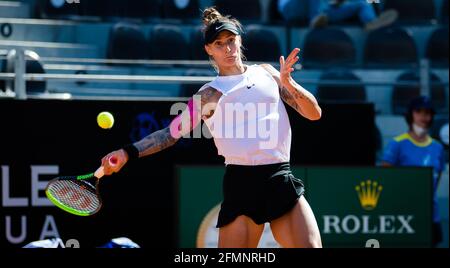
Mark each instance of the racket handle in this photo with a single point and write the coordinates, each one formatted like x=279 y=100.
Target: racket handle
x=100 y=172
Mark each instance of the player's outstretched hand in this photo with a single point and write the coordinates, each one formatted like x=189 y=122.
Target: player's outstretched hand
x=286 y=67
x=114 y=161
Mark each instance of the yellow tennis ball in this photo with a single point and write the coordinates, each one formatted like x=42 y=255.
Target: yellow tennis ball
x=105 y=120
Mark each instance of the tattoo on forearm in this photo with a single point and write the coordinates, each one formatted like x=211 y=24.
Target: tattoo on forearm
x=295 y=97
x=155 y=142
x=161 y=139
x=209 y=96
x=302 y=94
x=289 y=99
x=206 y=95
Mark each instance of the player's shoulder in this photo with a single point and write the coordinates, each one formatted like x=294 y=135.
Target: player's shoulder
x=269 y=68
x=209 y=93
x=402 y=137
x=206 y=88
x=405 y=138
x=270 y=71
x=437 y=144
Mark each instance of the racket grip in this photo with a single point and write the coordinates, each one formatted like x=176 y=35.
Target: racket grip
x=100 y=172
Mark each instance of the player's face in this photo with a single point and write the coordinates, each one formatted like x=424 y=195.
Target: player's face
x=422 y=117
x=225 y=50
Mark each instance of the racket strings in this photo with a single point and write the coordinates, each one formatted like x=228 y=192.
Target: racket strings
x=76 y=195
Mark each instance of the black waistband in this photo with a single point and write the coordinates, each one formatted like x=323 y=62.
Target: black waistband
x=272 y=169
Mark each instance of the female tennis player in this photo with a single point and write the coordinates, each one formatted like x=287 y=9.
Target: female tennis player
x=258 y=184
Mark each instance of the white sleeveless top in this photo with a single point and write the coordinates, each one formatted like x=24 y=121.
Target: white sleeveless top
x=250 y=125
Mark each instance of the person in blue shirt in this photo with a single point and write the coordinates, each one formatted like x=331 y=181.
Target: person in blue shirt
x=321 y=12
x=417 y=148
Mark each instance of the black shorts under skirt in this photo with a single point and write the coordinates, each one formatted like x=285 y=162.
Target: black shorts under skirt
x=263 y=192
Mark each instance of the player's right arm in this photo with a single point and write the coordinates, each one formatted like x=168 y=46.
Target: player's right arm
x=164 y=138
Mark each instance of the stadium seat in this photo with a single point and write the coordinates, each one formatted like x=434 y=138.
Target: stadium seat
x=245 y=10
x=413 y=11
x=328 y=46
x=437 y=47
x=57 y=9
x=274 y=15
x=343 y=93
x=402 y=94
x=32 y=65
x=444 y=12
x=106 y=9
x=93 y=8
x=168 y=43
x=127 y=41
x=188 y=9
x=390 y=47
x=196 y=44
x=99 y=8
x=2 y=69
x=261 y=44
x=118 y=9
x=187 y=90
x=143 y=8
x=35 y=67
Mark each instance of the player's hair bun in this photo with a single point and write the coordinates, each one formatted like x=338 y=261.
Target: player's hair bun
x=210 y=14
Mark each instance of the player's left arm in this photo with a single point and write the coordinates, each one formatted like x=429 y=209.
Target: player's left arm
x=290 y=91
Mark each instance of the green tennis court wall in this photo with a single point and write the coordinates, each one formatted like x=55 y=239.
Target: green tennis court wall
x=393 y=208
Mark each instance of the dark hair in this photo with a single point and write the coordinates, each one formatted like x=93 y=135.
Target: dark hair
x=211 y=16
x=421 y=102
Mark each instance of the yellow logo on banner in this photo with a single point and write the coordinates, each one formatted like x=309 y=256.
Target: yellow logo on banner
x=368 y=194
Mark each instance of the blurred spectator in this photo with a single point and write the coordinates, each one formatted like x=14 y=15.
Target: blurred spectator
x=321 y=12
x=120 y=242
x=417 y=148
x=55 y=242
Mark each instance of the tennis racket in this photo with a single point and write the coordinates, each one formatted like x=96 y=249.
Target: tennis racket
x=78 y=195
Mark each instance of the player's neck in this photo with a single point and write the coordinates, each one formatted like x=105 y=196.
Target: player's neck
x=418 y=138
x=235 y=70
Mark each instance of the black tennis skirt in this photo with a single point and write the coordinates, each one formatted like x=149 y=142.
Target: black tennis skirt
x=263 y=192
